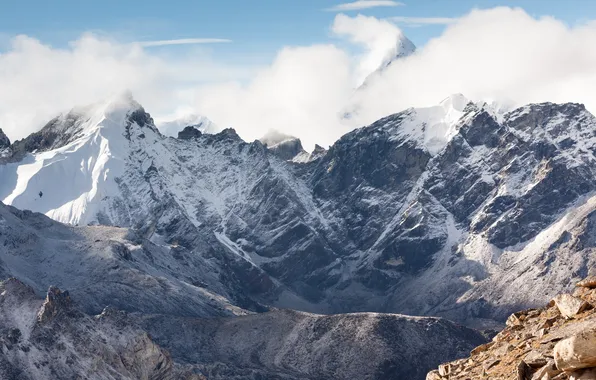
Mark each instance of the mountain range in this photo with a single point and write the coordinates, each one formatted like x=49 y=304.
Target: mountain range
x=454 y=211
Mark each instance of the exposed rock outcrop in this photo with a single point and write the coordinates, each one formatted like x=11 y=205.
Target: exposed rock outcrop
x=4 y=141
x=50 y=339
x=189 y=133
x=56 y=301
x=5 y=150
x=555 y=342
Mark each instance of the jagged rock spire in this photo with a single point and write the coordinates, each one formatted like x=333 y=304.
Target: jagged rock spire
x=55 y=302
x=4 y=140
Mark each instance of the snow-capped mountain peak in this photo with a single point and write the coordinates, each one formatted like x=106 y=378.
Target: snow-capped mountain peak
x=403 y=48
x=425 y=194
x=71 y=165
x=430 y=127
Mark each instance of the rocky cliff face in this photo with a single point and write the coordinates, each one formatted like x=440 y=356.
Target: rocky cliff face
x=4 y=146
x=556 y=341
x=51 y=339
x=447 y=210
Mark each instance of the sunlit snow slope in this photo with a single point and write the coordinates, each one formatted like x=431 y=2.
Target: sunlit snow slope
x=445 y=210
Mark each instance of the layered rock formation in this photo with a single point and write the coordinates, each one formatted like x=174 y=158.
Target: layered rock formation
x=555 y=342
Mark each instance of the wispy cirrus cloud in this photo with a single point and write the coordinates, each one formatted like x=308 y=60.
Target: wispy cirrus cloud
x=183 y=41
x=363 y=4
x=424 y=20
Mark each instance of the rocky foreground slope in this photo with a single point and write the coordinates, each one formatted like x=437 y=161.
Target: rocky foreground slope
x=554 y=342
x=53 y=339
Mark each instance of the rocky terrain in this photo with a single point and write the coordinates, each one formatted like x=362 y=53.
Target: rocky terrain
x=53 y=339
x=556 y=341
x=287 y=344
x=137 y=290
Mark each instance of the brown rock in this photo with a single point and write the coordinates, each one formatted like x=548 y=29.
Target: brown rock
x=576 y=352
x=569 y=306
x=491 y=363
x=541 y=332
x=524 y=372
x=535 y=359
x=589 y=282
x=433 y=375
x=450 y=368
x=587 y=374
x=502 y=350
x=519 y=317
x=561 y=376
x=482 y=348
x=146 y=360
x=547 y=372
x=56 y=301
x=444 y=369
x=549 y=322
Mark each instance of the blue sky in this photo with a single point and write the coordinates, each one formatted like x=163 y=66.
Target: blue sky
x=290 y=65
x=257 y=28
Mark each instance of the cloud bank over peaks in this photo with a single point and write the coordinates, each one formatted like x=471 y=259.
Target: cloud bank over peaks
x=378 y=38
x=500 y=54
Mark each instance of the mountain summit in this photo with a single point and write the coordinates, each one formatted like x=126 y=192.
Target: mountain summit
x=420 y=211
x=404 y=48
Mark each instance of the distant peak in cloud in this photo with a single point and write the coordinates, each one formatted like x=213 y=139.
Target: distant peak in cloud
x=363 y=4
x=184 y=41
x=424 y=20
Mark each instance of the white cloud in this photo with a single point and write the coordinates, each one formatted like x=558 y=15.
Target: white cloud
x=500 y=54
x=183 y=41
x=379 y=38
x=424 y=20
x=363 y=4
x=300 y=94
x=39 y=81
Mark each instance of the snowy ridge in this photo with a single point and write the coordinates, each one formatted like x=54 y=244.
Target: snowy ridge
x=418 y=213
x=433 y=127
x=75 y=178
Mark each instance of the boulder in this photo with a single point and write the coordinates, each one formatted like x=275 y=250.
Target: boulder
x=576 y=352
x=547 y=372
x=589 y=282
x=569 y=305
x=524 y=371
x=433 y=375
x=535 y=359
